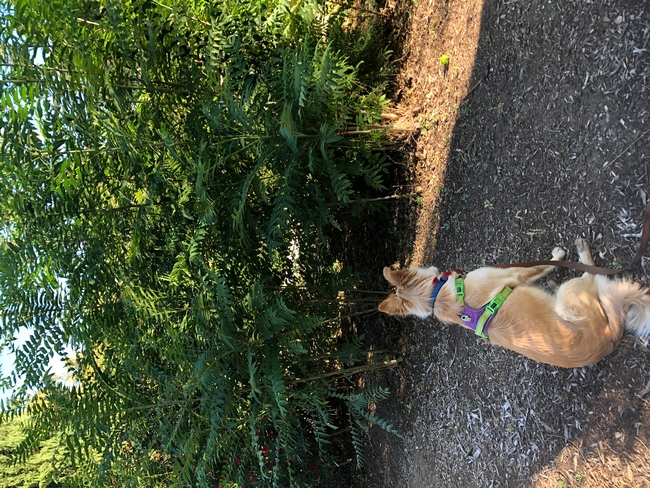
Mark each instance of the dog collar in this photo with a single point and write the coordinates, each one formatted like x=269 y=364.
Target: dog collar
x=440 y=281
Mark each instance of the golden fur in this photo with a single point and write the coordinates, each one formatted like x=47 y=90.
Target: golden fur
x=579 y=325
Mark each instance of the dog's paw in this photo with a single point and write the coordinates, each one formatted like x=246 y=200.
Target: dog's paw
x=558 y=254
x=584 y=254
x=581 y=245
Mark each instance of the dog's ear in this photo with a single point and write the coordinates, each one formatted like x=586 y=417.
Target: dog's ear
x=395 y=305
x=399 y=277
x=388 y=274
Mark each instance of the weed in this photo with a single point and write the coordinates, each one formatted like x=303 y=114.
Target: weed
x=424 y=125
x=427 y=122
x=444 y=59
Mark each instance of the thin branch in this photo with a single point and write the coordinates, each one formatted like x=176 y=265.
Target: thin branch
x=343 y=317
x=625 y=150
x=473 y=88
x=348 y=371
x=366 y=200
x=193 y=18
x=20 y=81
x=324 y=322
x=44 y=152
x=35 y=66
x=155 y=89
x=89 y=22
x=360 y=9
x=332 y=374
x=159 y=405
x=339 y=301
x=355 y=132
x=380 y=292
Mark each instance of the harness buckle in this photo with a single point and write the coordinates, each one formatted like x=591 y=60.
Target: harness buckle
x=460 y=290
x=492 y=306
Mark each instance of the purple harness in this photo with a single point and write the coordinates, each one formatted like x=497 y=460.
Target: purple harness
x=476 y=319
x=471 y=317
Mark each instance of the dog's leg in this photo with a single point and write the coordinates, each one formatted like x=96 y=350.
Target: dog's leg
x=530 y=275
x=490 y=279
x=584 y=253
x=558 y=255
x=577 y=298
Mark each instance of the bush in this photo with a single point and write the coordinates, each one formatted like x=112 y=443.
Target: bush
x=171 y=175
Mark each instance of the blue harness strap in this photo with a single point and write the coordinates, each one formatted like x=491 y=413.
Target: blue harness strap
x=476 y=319
x=439 y=282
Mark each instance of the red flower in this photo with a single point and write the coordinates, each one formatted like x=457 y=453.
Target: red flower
x=237 y=460
x=314 y=467
x=265 y=451
x=250 y=478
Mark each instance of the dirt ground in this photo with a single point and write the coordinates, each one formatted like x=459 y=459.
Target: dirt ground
x=535 y=133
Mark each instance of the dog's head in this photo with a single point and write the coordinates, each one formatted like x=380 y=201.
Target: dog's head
x=413 y=295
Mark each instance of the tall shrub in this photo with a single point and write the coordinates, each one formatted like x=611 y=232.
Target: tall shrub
x=168 y=176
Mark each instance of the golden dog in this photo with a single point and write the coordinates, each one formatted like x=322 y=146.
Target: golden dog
x=580 y=325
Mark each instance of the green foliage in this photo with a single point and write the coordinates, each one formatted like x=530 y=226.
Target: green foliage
x=359 y=415
x=169 y=181
x=47 y=467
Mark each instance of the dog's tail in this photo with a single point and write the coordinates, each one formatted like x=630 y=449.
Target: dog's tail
x=627 y=304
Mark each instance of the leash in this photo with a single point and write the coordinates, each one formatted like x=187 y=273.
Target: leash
x=645 y=237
